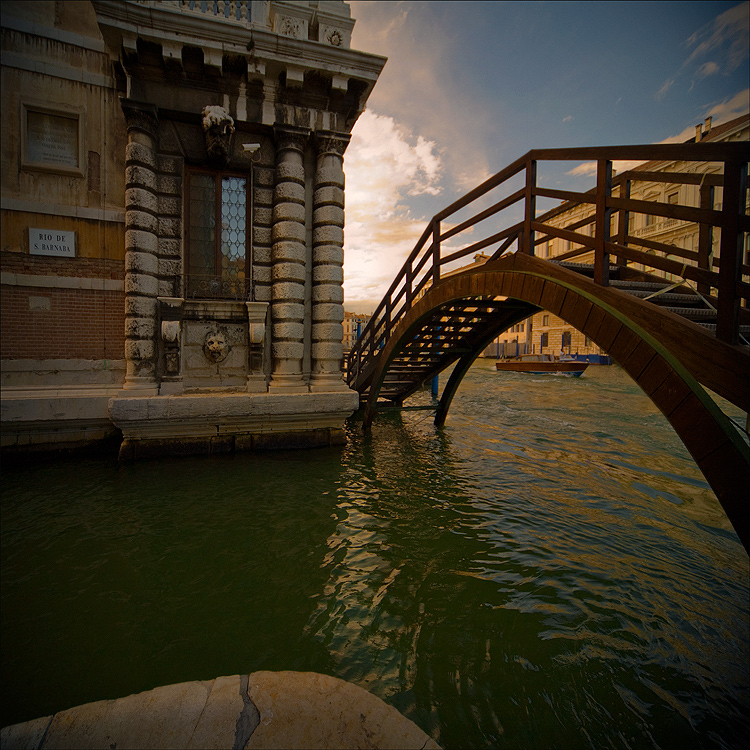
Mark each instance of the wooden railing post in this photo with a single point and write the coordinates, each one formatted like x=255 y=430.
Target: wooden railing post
x=728 y=309
x=435 y=251
x=623 y=222
x=603 y=221
x=705 y=236
x=528 y=236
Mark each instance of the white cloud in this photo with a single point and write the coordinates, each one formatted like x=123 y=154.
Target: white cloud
x=569 y=118
x=727 y=35
x=707 y=69
x=384 y=165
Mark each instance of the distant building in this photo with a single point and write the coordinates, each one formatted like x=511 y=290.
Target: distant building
x=172 y=221
x=354 y=324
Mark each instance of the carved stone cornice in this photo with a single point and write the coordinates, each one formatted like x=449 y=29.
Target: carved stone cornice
x=291 y=137
x=140 y=116
x=331 y=142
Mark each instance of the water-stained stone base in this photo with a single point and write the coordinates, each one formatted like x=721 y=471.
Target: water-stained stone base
x=260 y=710
x=226 y=422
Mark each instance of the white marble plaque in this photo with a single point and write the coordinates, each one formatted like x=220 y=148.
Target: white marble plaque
x=52 y=242
x=51 y=139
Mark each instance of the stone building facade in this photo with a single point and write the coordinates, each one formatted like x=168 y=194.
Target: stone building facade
x=188 y=157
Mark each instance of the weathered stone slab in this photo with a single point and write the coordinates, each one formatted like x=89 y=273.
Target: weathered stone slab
x=25 y=736
x=161 y=718
x=308 y=710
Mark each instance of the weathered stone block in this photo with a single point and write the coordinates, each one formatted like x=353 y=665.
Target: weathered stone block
x=292 y=311
x=141 y=284
x=290 y=172
x=328 y=215
x=140 y=199
x=140 y=328
x=288 y=331
x=168 y=184
x=262 y=235
x=328 y=235
x=327 y=351
x=289 y=192
x=287 y=291
x=329 y=195
x=264 y=175
x=170 y=267
x=262 y=254
x=328 y=274
x=329 y=176
x=263 y=197
x=141 y=220
x=328 y=313
x=263 y=293
x=293 y=252
x=288 y=272
x=140 y=307
x=283 y=231
x=169 y=164
x=263 y=216
x=287 y=350
x=327 y=332
x=136 y=262
x=328 y=254
x=137 y=176
x=169 y=227
x=137 y=152
x=140 y=349
x=169 y=205
x=166 y=287
x=322 y=293
x=140 y=241
x=288 y=212
x=169 y=246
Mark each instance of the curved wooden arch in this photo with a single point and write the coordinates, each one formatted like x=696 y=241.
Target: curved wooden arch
x=633 y=335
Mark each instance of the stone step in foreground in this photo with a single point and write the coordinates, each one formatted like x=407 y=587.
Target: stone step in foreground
x=261 y=710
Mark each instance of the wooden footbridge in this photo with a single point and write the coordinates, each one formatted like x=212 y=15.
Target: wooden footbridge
x=674 y=319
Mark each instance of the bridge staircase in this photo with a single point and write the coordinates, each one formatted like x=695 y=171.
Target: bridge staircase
x=676 y=319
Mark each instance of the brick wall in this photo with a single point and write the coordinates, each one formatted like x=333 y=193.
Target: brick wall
x=44 y=323
x=41 y=265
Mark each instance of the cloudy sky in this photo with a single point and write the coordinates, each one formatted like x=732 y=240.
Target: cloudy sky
x=471 y=86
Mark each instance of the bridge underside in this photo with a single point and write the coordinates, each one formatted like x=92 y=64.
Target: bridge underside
x=669 y=357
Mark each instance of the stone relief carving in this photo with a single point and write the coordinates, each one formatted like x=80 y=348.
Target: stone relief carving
x=215 y=346
x=218 y=128
x=170 y=334
x=334 y=36
x=290 y=27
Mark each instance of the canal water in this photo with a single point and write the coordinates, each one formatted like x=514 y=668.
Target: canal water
x=548 y=570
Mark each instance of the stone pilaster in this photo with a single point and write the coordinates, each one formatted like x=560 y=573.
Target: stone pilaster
x=288 y=253
x=141 y=248
x=328 y=263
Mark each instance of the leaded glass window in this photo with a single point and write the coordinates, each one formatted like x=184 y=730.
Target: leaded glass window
x=218 y=258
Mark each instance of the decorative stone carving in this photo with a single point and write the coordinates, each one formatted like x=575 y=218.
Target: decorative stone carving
x=334 y=37
x=218 y=128
x=291 y=27
x=216 y=347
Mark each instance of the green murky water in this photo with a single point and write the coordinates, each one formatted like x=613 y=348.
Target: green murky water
x=549 y=570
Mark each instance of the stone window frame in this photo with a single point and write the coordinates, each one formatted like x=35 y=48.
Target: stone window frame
x=218 y=174
x=55 y=109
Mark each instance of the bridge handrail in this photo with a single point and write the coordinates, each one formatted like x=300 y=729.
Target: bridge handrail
x=423 y=265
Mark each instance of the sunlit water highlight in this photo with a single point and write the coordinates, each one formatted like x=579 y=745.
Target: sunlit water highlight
x=549 y=570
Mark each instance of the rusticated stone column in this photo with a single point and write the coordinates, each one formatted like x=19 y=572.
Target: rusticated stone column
x=328 y=263
x=288 y=253
x=141 y=246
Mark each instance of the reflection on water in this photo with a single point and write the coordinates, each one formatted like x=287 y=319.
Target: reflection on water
x=549 y=570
